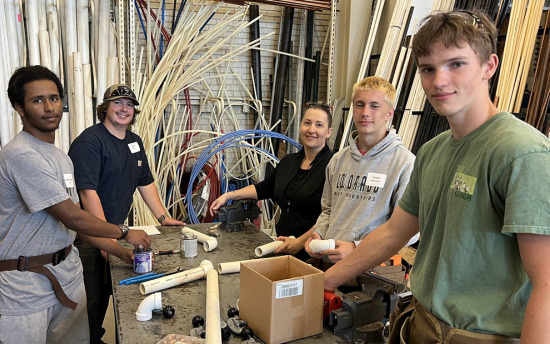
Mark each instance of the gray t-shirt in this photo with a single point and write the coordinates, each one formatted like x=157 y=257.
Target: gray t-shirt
x=34 y=175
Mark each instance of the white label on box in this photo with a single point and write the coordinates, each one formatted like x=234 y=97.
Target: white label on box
x=289 y=289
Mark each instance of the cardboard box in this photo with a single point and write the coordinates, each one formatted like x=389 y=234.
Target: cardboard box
x=281 y=298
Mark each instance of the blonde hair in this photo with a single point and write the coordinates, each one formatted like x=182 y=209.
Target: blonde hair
x=376 y=83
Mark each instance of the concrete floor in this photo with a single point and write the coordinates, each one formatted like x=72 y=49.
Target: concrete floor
x=109 y=325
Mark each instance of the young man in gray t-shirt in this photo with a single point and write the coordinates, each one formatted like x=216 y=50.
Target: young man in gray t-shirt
x=42 y=296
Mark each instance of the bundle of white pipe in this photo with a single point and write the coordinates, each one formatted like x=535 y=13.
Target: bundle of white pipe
x=146 y=307
x=213 y=330
x=266 y=249
x=231 y=267
x=317 y=245
x=176 y=279
x=209 y=243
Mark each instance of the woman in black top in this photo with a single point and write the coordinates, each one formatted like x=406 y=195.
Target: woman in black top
x=296 y=184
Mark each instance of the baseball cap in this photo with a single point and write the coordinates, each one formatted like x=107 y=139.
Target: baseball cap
x=118 y=91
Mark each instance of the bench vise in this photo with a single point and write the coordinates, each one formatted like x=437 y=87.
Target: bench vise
x=233 y=216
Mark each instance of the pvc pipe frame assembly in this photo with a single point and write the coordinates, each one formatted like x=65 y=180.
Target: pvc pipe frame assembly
x=208 y=243
x=266 y=249
x=176 y=279
x=317 y=245
x=146 y=307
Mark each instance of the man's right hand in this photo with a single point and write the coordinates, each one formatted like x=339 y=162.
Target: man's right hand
x=220 y=201
x=314 y=235
x=138 y=237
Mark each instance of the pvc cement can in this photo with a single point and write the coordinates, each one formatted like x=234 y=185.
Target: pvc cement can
x=143 y=260
x=189 y=245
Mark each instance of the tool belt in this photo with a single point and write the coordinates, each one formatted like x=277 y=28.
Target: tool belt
x=418 y=325
x=36 y=264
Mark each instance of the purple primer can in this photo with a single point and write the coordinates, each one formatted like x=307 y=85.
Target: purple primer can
x=143 y=260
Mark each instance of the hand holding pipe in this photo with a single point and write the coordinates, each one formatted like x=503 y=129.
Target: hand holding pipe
x=208 y=243
x=317 y=245
x=266 y=249
x=176 y=279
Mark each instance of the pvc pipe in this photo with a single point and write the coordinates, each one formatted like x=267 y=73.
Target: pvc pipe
x=82 y=30
x=70 y=30
x=45 y=52
x=213 y=329
x=78 y=100
x=12 y=36
x=53 y=31
x=6 y=117
x=103 y=47
x=176 y=279
x=231 y=267
x=31 y=9
x=112 y=70
x=88 y=94
x=208 y=243
x=269 y=248
x=145 y=308
x=317 y=245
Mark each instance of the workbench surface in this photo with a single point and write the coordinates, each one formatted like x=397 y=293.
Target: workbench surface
x=188 y=299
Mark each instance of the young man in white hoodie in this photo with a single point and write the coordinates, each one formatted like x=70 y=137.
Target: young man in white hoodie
x=365 y=180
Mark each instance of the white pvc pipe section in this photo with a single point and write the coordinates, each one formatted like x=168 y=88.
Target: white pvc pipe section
x=231 y=267
x=88 y=94
x=266 y=249
x=31 y=9
x=176 y=279
x=70 y=30
x=146 y=307
x=78 y=103
x=64 y=128
x=317 y=245
x=11 y=20
x=45 y=52
x=82 y=30
x=42 y=17
x=213 y=330
x=53 y=31
x=209 y=243
x=112 y=70
x=103 y=47
x=6 y=117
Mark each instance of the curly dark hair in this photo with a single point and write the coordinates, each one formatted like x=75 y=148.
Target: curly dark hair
x=24 y=75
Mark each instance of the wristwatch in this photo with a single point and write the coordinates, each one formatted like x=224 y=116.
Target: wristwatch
x=161 y=218
x=124 y=229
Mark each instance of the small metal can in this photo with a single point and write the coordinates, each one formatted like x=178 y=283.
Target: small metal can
x=143 y=260
x=189 y=245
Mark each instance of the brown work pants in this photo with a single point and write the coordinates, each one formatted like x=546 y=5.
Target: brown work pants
x=416 y=325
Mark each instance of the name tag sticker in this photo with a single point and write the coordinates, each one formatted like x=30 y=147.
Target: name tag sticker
x=139 y=163
x=376 y=179
x=289 y=289
x=69 y=180
x=134 y=147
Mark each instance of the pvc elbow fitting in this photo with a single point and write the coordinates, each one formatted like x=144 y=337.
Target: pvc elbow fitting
x=146 y=307
x=317 y=245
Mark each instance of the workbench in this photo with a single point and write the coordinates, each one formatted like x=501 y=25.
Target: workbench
x=188 y=299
